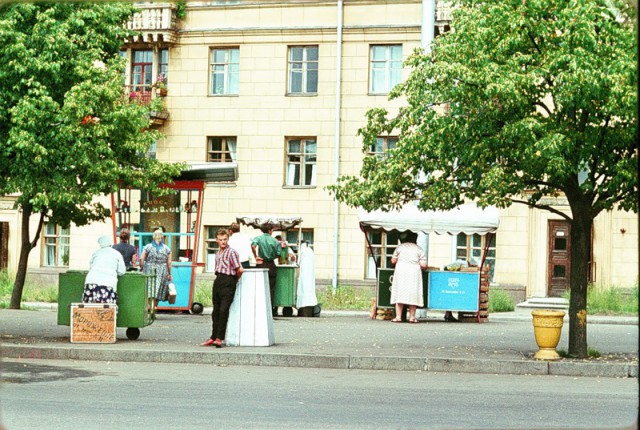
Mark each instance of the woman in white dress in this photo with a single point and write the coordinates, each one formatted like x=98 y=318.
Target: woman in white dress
x=406 y=287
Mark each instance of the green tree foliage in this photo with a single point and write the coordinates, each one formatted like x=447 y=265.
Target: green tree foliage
x=68 y=131
x=524 y=100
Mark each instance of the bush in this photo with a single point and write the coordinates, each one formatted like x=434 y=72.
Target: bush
x=500 y=301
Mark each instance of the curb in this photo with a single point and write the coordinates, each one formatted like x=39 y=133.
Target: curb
x=232 y=358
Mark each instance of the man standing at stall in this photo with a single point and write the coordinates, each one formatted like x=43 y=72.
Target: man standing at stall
x=266 y=250
x=228 y=272
x=241 y=243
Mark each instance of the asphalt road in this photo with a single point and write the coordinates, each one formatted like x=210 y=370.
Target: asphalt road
x=98 y=395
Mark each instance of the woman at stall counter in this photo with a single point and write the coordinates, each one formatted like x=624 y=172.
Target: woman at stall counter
x=406 y=287
x=101 y=283
x=156 y=260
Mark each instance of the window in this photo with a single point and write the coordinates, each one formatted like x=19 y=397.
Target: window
x=221 y=149
x=382 y=145
x=163 y=65
x=470 y=247
x=383 y=244
x=301 y=162
x=55 y=246
x=225 y=71
x=303 y=70
x=141 y=71
x=211 y=246
x=386 y=68
x=291 y=236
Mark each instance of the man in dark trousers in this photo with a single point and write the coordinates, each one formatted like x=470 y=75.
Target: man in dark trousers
x=228 y=272
x=266 y=249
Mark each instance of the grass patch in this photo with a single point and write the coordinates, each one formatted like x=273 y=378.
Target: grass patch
x=591 y=353
x=202 y=293
x=610 y=300
x=345 y=298
x=30 y=292
x=500 y=301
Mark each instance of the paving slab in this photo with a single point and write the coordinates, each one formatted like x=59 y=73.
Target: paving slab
x=339 y=340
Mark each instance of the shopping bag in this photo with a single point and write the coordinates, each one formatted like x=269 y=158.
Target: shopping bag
x=172 y=293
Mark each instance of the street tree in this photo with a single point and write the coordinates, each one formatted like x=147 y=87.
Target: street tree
x=68 y=131
x=523 y=101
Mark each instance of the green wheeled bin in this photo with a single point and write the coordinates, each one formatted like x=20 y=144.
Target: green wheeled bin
x=286 y=289
x=136 y=307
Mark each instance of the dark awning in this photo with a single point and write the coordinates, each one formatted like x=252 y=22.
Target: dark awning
x=210 y=172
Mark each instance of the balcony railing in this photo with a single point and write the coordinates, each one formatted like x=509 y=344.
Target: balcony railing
x=156 y=22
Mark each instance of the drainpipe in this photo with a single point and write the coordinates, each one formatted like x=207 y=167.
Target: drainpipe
x=428 y=24
x=336 y=167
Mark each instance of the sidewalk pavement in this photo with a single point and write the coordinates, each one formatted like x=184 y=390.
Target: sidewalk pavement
x=339 y=340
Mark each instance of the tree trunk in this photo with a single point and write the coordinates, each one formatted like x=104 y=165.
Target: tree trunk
x=25 y=248
x=580 y=245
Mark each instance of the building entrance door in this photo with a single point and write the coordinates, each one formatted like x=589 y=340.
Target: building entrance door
x=559 y=259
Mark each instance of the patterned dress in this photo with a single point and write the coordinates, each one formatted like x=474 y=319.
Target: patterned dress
x=155 y=263
x=406 y=287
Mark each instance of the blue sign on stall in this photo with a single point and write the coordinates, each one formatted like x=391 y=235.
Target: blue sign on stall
x=454 y=291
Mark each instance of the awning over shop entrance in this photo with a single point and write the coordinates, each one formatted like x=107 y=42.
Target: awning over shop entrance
x=210 y=172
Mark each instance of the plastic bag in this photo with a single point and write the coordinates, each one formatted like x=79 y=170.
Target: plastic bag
x=172 y=293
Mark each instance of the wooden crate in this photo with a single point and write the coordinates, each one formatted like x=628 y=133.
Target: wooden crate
x=93 y=323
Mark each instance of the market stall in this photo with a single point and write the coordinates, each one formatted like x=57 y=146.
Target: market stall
x=178 y=214
x=444 y=290
x=287 y=274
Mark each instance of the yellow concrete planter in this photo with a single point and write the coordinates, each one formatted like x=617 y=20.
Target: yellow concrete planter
x=547 y=327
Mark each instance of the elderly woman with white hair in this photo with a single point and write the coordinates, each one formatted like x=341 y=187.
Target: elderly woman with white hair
x=101 y=283
x=156 y=260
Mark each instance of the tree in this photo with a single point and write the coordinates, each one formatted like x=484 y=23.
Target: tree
x=68 y=132
x=524 y=99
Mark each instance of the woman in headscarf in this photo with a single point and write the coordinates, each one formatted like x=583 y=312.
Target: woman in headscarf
x=156 y=260
x=101 y=283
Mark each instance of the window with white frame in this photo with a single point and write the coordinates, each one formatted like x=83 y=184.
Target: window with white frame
x=211 y=246
x=225 y=71
x=163 y=65
x=385 y=68
x=291 y=237
x=55 y=246
x=471 y=247
x=221 y=149
x=382 y=146
x=301 y=162
x=303 y=70
x=383 y=244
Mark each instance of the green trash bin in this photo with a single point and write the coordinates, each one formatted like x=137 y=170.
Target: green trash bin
x=286 y=292
x=136 y=308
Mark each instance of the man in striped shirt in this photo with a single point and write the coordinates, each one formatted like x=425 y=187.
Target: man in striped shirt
x=228 y=272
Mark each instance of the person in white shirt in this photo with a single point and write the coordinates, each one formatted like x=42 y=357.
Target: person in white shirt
x=101 y=283
x=241 y=243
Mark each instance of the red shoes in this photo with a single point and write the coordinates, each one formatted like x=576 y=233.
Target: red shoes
x=210 y=342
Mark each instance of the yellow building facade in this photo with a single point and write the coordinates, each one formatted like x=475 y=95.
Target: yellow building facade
x=279 y=90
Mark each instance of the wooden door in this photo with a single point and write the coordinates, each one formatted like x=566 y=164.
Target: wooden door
x=559 y=259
